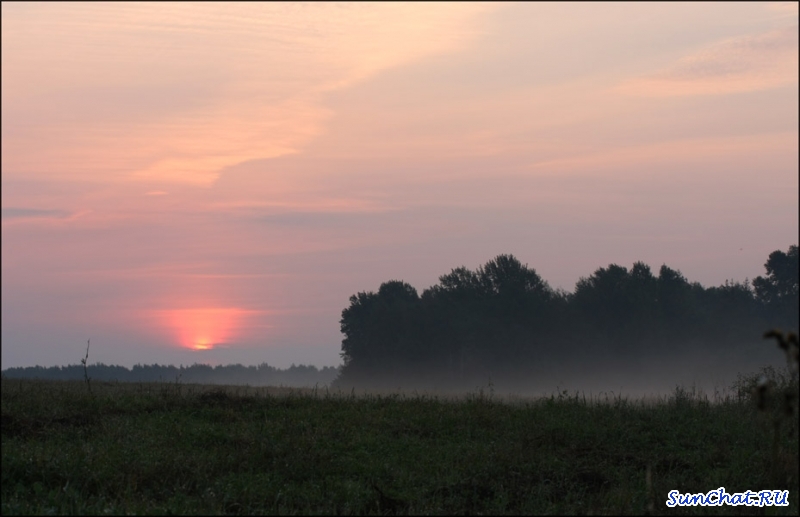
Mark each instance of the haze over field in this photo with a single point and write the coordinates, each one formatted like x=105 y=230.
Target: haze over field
x=211 y=182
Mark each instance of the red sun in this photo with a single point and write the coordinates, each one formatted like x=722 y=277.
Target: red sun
x=204 y=328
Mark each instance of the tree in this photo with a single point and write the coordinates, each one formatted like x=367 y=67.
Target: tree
x=505 y=275
x=459 y=281
x=674 y=296
x=778 y=291
x=382 y=331
x=515 y=308
x=781 y=282
x=454 y=316
x=601 y=301
x=354 y=325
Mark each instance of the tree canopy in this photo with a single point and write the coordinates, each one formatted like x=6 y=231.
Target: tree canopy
x=504 y=318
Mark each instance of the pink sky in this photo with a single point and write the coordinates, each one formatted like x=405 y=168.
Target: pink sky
x=210 y=183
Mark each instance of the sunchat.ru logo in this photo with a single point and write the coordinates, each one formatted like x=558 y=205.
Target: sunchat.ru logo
x=719 y=497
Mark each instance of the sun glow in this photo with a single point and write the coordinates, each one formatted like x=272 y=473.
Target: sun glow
x=204 y=328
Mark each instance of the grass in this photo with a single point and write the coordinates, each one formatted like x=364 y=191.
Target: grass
x=184 y=449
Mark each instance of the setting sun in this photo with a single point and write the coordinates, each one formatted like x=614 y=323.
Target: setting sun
x=203 y=328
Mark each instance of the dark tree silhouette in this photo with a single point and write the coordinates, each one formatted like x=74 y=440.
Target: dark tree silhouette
x=779 y=289
x=261 y=375
x=503 y=319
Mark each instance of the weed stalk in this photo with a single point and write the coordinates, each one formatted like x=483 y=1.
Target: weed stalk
x=85 y=369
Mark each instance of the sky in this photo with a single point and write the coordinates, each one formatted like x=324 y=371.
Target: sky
x=211 y=182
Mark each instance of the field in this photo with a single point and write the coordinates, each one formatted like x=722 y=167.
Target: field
x=184 y=449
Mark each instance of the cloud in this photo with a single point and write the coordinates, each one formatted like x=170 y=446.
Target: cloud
x=33 y=213
x=743 y=64
x=671 y=157
x=176 y=93
x=312 y=205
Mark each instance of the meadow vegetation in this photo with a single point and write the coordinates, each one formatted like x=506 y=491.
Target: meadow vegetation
x=156 y=448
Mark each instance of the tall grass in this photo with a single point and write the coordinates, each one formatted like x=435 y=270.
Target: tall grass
x=182 y=448
x=193 y=449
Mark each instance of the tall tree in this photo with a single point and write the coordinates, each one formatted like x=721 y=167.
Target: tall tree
x=602 y=303
x=779 y=289
x=514 y=303
x=382 y=330
x=781 y=281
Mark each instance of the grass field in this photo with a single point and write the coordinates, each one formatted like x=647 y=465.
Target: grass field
x=183 y=449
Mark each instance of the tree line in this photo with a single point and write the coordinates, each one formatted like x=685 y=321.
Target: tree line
x=503 y=319
x=261 y=375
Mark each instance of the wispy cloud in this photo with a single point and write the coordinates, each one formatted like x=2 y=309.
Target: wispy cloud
x=632 y=159
x=748 y=63
x=310 y=205
x=150 y=91
x=32 y=213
